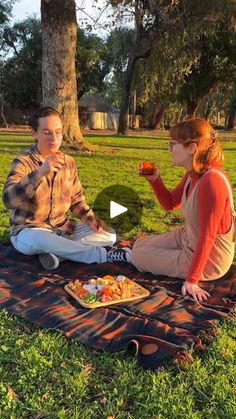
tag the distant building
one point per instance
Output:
(97, 113)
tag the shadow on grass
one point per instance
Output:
(16, 146)
(114, 157)
(133, 147)
(230, 149)
(12, 138)
(127, 137)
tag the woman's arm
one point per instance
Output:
(169, 199)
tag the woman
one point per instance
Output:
(203, 249)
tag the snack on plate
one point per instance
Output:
(147, 168)
(105, 290)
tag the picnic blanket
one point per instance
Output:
(162, 327)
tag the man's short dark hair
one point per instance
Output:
(41, 113)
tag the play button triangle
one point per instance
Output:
(119, 207)
(116, 209)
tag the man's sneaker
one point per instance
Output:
(119, 254)
(49, 261)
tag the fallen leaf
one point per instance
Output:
(12, 395)
(87, 368)
(38, 416)
(45, 395)
(141, 235)
(63, 365)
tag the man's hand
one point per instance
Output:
(152, 177)
(96, 225)
(195, 291)
(52, 163)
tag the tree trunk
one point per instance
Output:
(139, 51)
(5, 124)
(153, 115)
(156, 116)
(180, 116)
(124, 106)
(207, 110)
(231, 120)
(59, 89)
(191, 108)
(134, 106)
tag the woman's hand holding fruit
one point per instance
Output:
(148, 170)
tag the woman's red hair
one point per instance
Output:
(199, 131)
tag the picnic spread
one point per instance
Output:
(162, 326)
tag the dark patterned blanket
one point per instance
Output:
(162, 327)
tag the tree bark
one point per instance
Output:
(59, 89)
(231, 120)
(140, 50)
(191, 108)
(156, 116)
(180, 116)
(5, 124)
(124, 106)
(207, 110)
(134, 107)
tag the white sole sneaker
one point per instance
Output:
(49, 261)
(119, 254)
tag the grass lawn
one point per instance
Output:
(45, 375)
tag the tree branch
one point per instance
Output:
(94, 20)
(7, 36)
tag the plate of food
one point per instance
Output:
(103, 291)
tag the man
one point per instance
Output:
(41, 188)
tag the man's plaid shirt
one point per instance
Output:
(43, 202)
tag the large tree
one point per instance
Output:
(159, 77)
(92, 63)
(21, 71)
(216, 64)
(5, 14)
(118, 43)
(231, 123)
(153, 19)
(59, 36)
(141, 48)
(5, 10)
(22, 68)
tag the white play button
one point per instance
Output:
(116, 209)
(119, 207)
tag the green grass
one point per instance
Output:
(45, 375)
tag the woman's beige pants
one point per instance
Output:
(163, 254)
